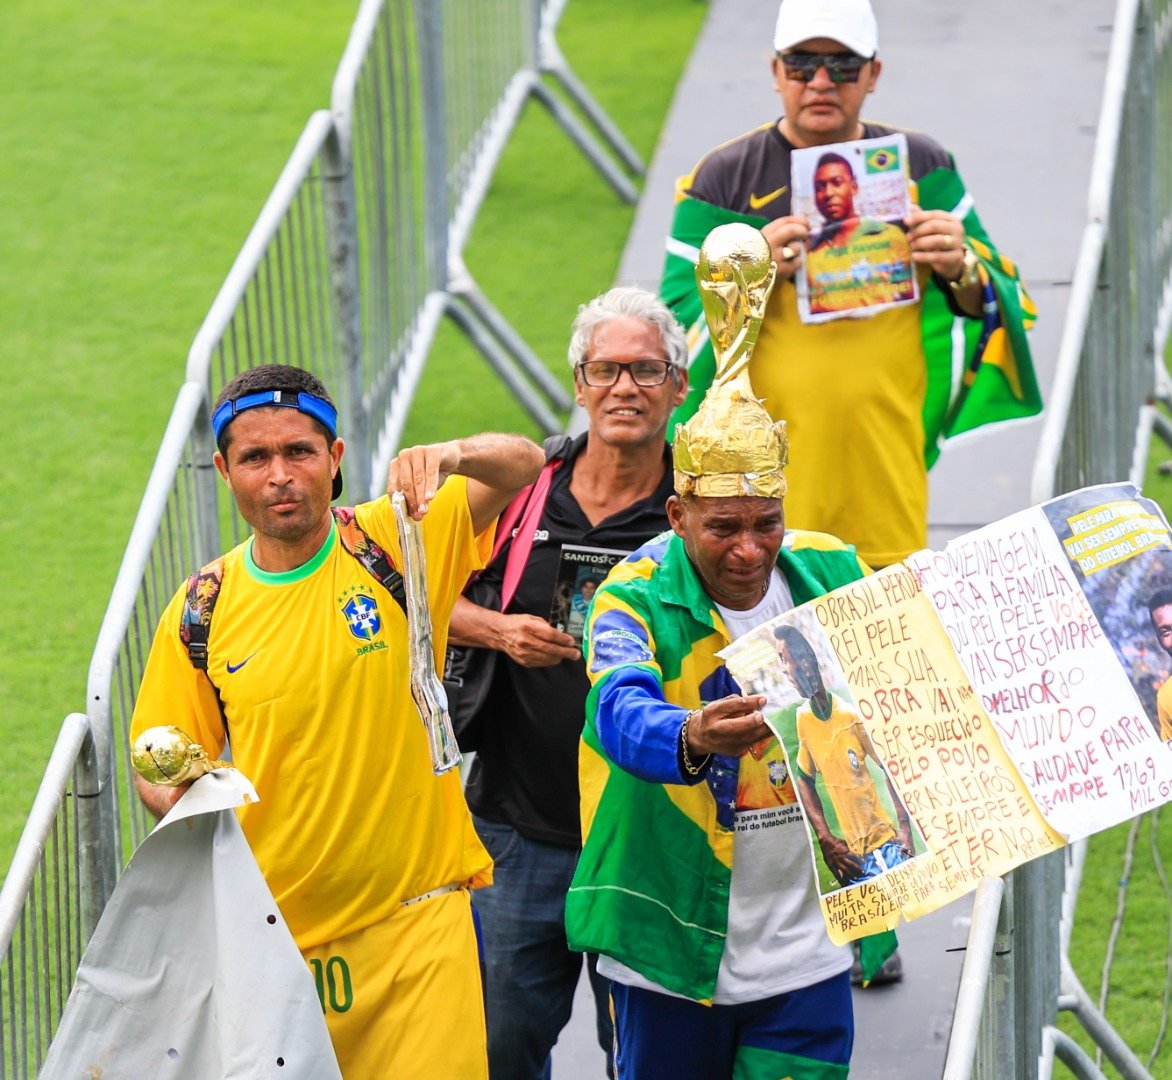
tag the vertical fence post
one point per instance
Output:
(1037, 902)
(1161, 20)
(429, 17)
(342, 238)
(1144, 180)
(996, 1056)
(97, 840)
(205, 494)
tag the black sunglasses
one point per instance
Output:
(841, 67)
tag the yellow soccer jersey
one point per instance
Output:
(860, 384)
(867, 264)
(763, 778)
(1164, 709)
(833, 748)
(312, 670)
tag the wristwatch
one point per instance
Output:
(970, 273)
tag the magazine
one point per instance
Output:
(580, 571)
(973, 708)
(857, 260)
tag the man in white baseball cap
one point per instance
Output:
(849, 22)
(892, 379)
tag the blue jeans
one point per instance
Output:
(530, 972)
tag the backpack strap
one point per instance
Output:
(523, 515)
(557, 447)
(523, 541)
(203, 590)
(369, 554)
(203, 587)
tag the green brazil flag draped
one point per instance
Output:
(996, 381)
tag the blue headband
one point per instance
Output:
(310, 404)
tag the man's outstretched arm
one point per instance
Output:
(497, 467)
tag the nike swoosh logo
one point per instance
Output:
(758, 201)
(233, 668)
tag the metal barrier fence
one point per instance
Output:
(1111, 355)
(351, 265)
(1100, 414)
(464, 71)
(48, 906)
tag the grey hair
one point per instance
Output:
(627, 302)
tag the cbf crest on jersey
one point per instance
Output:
(362, 616)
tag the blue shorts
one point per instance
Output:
(876, 862)
(806, 1034)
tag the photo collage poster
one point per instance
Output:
(857, 260)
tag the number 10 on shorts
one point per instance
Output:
(332, 979)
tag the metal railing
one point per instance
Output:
(49, 906)
(465, 71)
(1111, 355)
(1100, 414)
(350, 267)
(1017, 976)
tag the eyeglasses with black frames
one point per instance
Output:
(841, 67)
(608, 372)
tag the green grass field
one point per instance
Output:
(1135, 893)
(141, 140)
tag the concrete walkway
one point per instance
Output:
(1012, 88)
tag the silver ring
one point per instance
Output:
(788, 254)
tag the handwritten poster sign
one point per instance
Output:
(953, 717)
(1017, 614)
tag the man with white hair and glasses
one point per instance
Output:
(609, 495)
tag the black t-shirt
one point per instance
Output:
(751, 174)
(525, 773)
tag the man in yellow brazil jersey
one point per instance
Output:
(367, 852)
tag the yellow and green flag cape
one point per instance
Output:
(979, 370)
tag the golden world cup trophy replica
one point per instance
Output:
(168, 756)
(731, 446)
(426, 687)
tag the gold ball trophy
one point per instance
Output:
(168, 756)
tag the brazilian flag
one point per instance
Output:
(883, 159)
